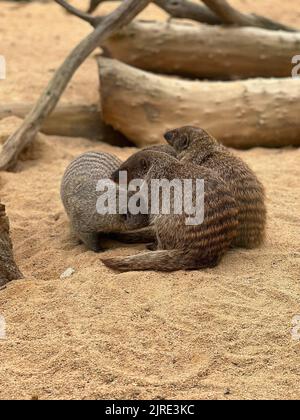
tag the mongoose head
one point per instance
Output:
(188, 137)
(136, 167)
(139, 164)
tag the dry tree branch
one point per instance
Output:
(180, 9)
(230, 16)
(94, 21)
(185, 9)
(215, 12)
(16, 143)
(94, 4)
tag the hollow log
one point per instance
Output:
(70, 121)
(203, 51)
(242, 114)
(8, 268)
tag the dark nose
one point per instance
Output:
(168, 136)
(115, 177)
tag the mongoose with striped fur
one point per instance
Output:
(181, 246)
(196, 146)
(79, 196)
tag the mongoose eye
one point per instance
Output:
(168, 136)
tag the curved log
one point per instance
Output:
(204, 51)
(242, 114)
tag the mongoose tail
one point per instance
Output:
(172, 260)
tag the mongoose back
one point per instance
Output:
(195, 145)
(181, 246)
(79, 196)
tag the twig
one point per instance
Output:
(230, 16)
(185, 9)
(94, 21)
(94, 4)
(50, 97)
(216, 13)
(180, 9)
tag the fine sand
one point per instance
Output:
(214, 334)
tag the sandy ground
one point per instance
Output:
(221, 333)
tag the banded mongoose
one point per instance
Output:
(181, 246)
(195, 145)
(145, 234)
(79, 196)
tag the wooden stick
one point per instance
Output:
(185, 9)
(180, 9)
(231, 16)
(217, 12)
(50, 97)
(8, 268)
(94, 21)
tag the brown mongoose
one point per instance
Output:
(195, 145)
(146, 234)
(181, 246)
(79, 196)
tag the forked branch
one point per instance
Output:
(180, 9)
(215, 12)
(110, 24)
(94, 21)
(231, 16)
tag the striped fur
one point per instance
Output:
(79, 196)
(181, 246)
(198, 147)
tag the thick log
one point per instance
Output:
(71, 121)
(8, 268)
(204, 51)
(242, 114)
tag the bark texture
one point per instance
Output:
(242, 114)
(204, 51)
